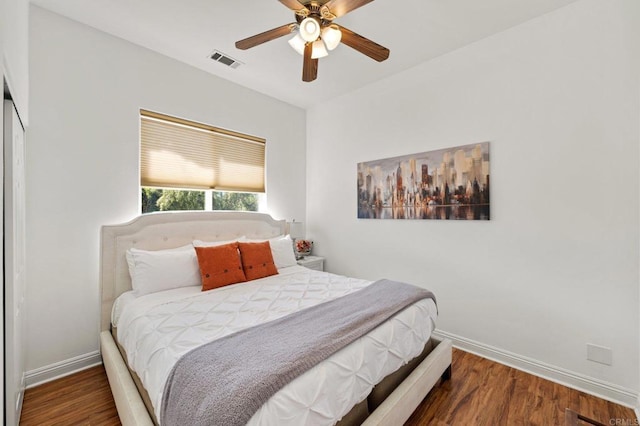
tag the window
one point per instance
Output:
(158, 199)
(186, 165)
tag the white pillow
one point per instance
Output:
(160, 270)
(200, 243)
(282, 251)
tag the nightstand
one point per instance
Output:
(312, 262)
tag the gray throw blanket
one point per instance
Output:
(226, 381)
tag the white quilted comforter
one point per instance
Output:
(157, 329)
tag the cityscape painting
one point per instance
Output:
(450, 184)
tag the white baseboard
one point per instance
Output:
(63, 368)
(610, 392)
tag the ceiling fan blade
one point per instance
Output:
(364, 45)
(265, 36)
(296, 6)
(309, 66)
(341, 7)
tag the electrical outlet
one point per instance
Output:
(599, 354)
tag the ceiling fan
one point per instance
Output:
(316, 33)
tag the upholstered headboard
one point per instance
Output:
(157, 231)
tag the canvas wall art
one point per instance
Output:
(449, 184)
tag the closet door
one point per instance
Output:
(14, 264)
(2, 416)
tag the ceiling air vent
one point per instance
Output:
(225, 59)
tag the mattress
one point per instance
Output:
(157, 329)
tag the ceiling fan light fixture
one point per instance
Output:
(331, 35)
(297, 43)
(310, 29)
(315, 34)
(319, 50)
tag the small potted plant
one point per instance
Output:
(303, 248)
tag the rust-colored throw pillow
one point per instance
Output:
(220, 266)
(257, 260)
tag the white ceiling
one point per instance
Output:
(189, 30)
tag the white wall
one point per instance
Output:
(557, 265)
(82, 162)
(14, 33)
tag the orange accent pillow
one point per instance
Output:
(220, 266)
(257, 260)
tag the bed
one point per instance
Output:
(390, 401)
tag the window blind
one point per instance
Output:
(177, 153)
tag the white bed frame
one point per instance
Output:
(157, 231)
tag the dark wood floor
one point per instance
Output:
(480, 392)
(483, 392)
(80, 399)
